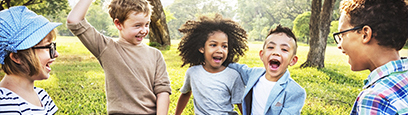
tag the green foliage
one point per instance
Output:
(333, 29)
(301, 27)
(100, 19)
(42, 7)
(183, 10)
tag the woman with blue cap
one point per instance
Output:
(26, 53)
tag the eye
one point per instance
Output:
(213, 45)
(286, 50)
(270, 47)
(224, 46)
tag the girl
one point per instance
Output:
(26, 53)
(208, 46)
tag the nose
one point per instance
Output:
(56, 54)
(275, 54)
(339, 45)
(145, 30)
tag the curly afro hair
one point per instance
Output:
(196, 33)
(388, 19)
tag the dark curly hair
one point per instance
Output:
(196, 33)
(388, 19)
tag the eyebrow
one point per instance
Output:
(273, 43)
(217, 42)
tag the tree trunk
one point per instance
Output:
(159, 32)
(319, 29)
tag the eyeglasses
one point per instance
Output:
(337, 37)
(52, 48)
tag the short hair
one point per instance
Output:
(120, 9)
(388, 19)
(30, 63)
(196, 33)
(285, 30)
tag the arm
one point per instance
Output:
(182, 102)
(242, 69)
(163, 101)
(294, 103)
(78, 13)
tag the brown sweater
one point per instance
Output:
(134, 74)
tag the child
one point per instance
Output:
(26, 53)
(208, 46)
(271, 90)
(371, 34)
(136, 78)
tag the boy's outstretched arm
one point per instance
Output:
(163, 101)
(182, 102)
(78, 13)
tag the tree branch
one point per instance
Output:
(31, 2)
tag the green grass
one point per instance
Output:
(77, 82)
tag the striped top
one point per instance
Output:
(13, 104)
(385, 91)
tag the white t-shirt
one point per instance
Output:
(12, 104)
(214, 93)
(260, 95)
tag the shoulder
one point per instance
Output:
(294, 88)
(194, 68)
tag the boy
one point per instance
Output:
(136, 78)
(271, 90)
(371, 34)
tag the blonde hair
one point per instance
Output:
(120, 9)
(30, 64)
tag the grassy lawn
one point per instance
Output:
(77, 83)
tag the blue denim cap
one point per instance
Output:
(20, 29)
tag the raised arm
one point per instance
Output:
(78, 13)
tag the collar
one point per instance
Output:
(385, 70)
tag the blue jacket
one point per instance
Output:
(286, 97)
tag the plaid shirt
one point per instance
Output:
(385, 91)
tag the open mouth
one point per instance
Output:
(217, 59)
(274, 64)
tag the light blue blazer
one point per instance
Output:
(286, 97)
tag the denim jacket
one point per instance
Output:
(286, 97)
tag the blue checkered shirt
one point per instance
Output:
(385, 91)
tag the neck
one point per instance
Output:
(17, 83)
(381, 56)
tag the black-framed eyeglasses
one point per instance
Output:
(52, 48)
(337, 37)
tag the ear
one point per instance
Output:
(15, 58)
(293, 61)
(367, 32)
(260, 54)
(201, 50)
(117, 24)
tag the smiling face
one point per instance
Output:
(45, 60)
(134, 28)
(277, 54)
(350, 41)
(215, 51)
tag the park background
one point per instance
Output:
(77, 82)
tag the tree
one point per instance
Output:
(184, 10)
(43, 7)
(301, 27)
(159, 33)
(319, 29)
